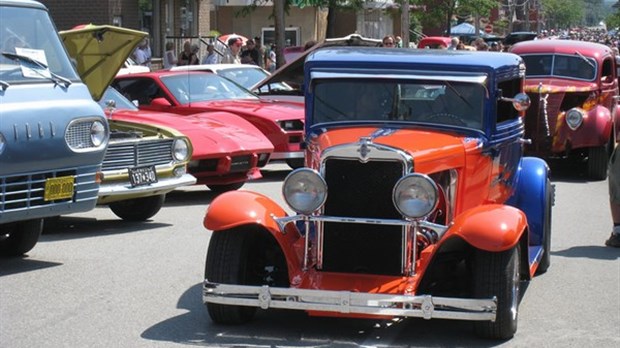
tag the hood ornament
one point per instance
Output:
(364, 149)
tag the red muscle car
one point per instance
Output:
(190, 92)
(573, 86)
(227, 150)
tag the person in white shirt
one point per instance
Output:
(231, 56)
(170, 56)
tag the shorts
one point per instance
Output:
(614, 177)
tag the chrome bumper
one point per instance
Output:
(164, 185)
(423, 306)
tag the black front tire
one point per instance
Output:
(497, 274)
(545, 261)
(295, 163)
(598, 158)
(139, 209)
(247, 255)
(225, 188)
(227, 262)
(21, 237)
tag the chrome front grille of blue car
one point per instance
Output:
(123, 155)
(24, 191)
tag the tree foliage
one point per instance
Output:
(560, 14)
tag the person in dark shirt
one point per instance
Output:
(250, 55)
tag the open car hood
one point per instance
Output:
(292, 73)
(99, 52)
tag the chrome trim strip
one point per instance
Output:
(420, 306)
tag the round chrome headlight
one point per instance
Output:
(180, 150)
(415, 195)
(2, 143)
(574, 118)
(97, 133)
(304, 190)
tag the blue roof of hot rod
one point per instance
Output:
(429, 58)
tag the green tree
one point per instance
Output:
(440, 13)
(560, 14)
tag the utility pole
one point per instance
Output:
(404, 25)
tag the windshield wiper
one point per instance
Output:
(57, 79)
(4, 85)
(585, 59)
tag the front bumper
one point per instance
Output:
(422, 306)
(109, 192)
(287, 155)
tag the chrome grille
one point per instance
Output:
(25, 191)
(130, 154)
(358, 189)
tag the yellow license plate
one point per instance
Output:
(58, 188)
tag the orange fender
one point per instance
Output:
(492, 227)
(236, 208)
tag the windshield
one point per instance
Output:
(434, 102)
(120, 101)
(38, 40)
(246, 77)
(204, 87)
(570, 66)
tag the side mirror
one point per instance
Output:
(160, 102)
(520, 102)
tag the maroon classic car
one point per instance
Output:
(573, 86)
(227, 150)
(190, 92)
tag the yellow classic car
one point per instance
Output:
(142, 162)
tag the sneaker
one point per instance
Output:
(614, 240)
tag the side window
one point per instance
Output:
(607, 73)
(142, 90)
(505, 110)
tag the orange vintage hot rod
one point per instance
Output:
(573, 86)
(415, 200)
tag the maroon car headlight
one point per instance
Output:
(574, 118)
(415, 195)
(304, 190)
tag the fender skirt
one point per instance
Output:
(493, 227)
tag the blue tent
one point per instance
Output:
(464, 29)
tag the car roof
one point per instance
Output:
(214, 67)
(557, 46)
(431, 59)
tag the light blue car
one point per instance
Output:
(53, 135)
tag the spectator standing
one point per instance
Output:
(270, 59)
(250, 54)
(185, 57)
(261, 52)
(148, 54)
(211, 57)
(398, 41)
(170, 57)
(614, 198)
(388, 41)
(194, 59)
(231, 56)
(454, 43)
(139, 55)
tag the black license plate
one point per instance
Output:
(142, 176)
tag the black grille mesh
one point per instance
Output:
(359, 189)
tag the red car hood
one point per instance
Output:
(267, 109)
(429, 149)
(209, 134)
(556, 85)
